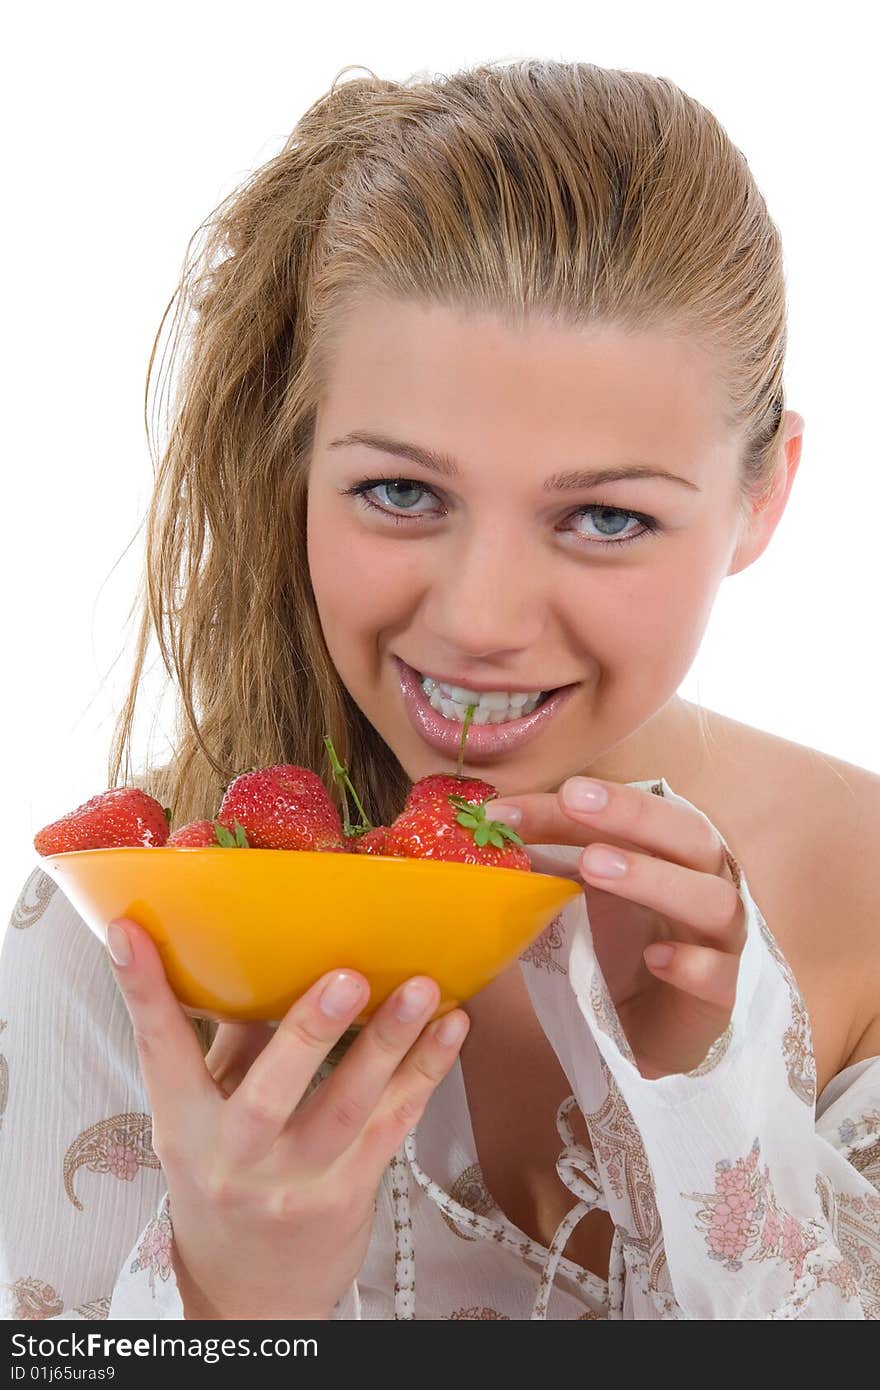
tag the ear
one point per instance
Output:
(765, 512)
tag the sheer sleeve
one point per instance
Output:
(733, 1199)
(84, 1225)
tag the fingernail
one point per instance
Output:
(580, 794)
(604, 863)
(339, 997)
(659, 955)
(451, 1029)
(118, 944)
(412, 1001)
(511, 815)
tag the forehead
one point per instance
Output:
(453, 377)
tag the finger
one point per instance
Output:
(704, 903)
(261, 1106)
(700, 971)
(631, 814)
(235, 1048)
(171, 1061)
(412, 1086)
(337, 1112)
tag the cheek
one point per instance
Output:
(652, 615)
(360, 582)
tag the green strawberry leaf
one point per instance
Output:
(169, 814)
(508, 832)
(494, 832)
(227, 840)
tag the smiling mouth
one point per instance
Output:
(452, 702)
(491, 733)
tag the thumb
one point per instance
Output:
(170, 1057)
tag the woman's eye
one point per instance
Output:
(611, 523)
(402, 495)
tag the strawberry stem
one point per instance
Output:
(343, 781)
(469, 714)
(491, 832)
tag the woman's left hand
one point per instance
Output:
(665, 913)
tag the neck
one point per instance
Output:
(678, 743)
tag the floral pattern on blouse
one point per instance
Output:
(94, 1311)
(541, 952)
(797, 1040)
(743, 1220)
(33, 900)
(478, 1314)
(471, 1192)
(119, 1145)
(620, 1152)
(31, 1300)
(154, 1249)
(861, 1140)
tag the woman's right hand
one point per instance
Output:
(272, 1210)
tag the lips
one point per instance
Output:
(483, 740)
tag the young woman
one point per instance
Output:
(482, 392)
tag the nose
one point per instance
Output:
(486, 598)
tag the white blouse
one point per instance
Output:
(734, 1193)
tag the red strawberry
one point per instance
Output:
(374, 842)
(283, 807)
(450, 784)
(449, 827)
(204, 834)
(120, 816)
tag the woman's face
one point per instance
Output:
(494, 576)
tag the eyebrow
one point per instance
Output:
(438, 462)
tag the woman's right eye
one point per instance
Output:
(403, 487)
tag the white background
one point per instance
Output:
(125, 125)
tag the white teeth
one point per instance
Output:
(457, 693)
(492, 706)
(484, 713)
(496, 699)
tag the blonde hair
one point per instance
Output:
(561, 189)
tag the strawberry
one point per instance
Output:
(449, 827)
(110, 820)
(283, 807)
(450, 784)
(204, 834)
(373, 842)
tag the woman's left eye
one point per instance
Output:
(609, 517)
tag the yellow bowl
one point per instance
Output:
(243, 933)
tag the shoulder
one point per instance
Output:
(822, 814)
(856, 876)
(47, 948)
(831, 804)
